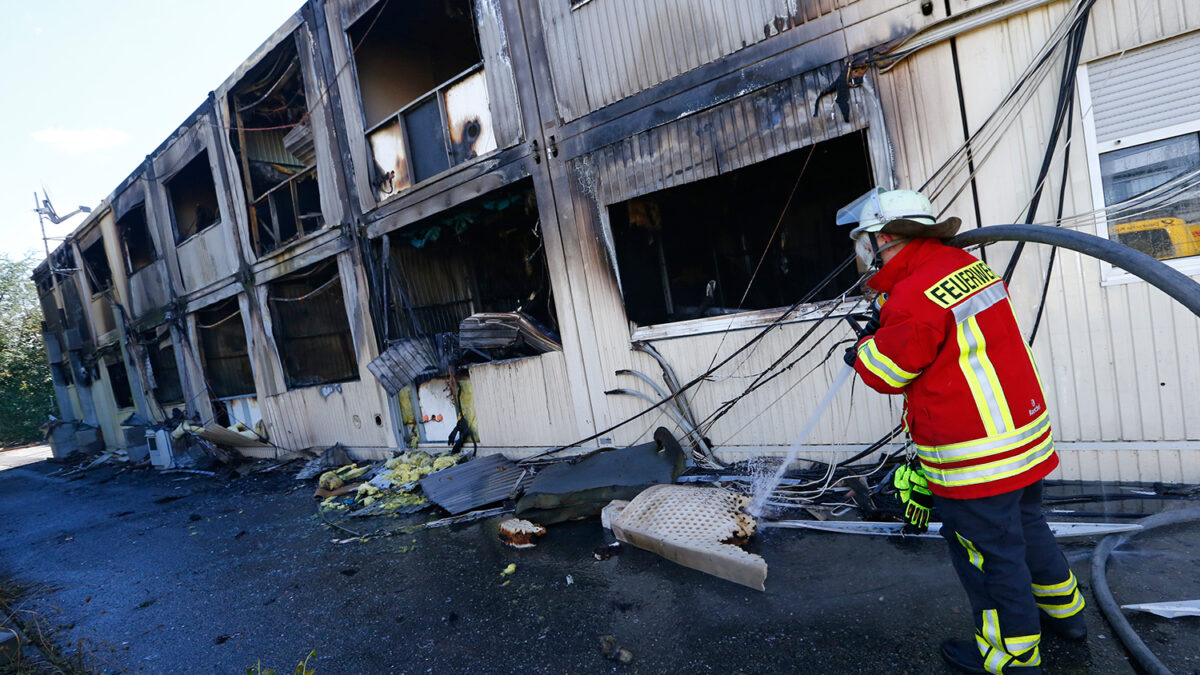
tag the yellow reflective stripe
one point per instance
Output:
(993, 378)
(1035, 659)
(985, 446)
(981, 378)
(1021, 643)
(883, 367)
(982, 473)
(1062, 588)
(1063, 611)
(973, 555)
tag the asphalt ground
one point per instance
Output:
(145, 572)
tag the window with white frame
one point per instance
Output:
(1142, 121)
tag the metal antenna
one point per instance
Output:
(45, 210)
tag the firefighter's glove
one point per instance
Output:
(851, 356)
(913, 491)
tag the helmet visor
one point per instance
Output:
(865, 208)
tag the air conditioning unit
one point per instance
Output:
(160, 448)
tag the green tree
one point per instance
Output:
(26, 392)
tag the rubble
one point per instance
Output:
(520, 533)
(582, 488)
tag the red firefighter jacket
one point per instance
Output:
(948, 340)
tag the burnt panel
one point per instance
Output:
(193, 197)
(223, 350)
(311, 329)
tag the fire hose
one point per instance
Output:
(1162, 276)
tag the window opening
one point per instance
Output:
(689, 252)
(118, 379)
(310, 326)
(193, 197)
(95, 260)
(423, 91)
(223, 350)
(273, 143)
(136, 243)
(1166, 228)
(483, 257)
(164, 372)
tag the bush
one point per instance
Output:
(26, 392)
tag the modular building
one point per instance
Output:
(413, 223)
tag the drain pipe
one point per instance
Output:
(1104, 598)
(1162, 276)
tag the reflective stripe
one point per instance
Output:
(938, 454)
(1063, 588)
(981, 378)
(1063, 611)
(996, 658)
(883, 367)
(1035, 659)
(981, 301)
(992, 470)
(1021, 643)
(973, 554)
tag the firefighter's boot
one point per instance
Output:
(964, 655)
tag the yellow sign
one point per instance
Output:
(961, 285)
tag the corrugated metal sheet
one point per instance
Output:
(1126, 101)
(473, 484)
(208, 257)
(601, 52)
(744, 131)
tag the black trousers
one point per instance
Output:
(1013, 572)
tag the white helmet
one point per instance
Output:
(906, 213)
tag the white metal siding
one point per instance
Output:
(1146, 89)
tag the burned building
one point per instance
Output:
(400, 224)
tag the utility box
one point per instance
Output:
(158, 442)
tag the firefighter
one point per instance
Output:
(947, 339)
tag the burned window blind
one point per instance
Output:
(224, 351)
(311, 329)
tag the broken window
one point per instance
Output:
(273, 143)
(136, 243)
(95, 261)
(692, 251)
(312, 333)
(483, 256)
(193, 197)
(223, 349)
(423, 91)
(118, 379)
(164, 372)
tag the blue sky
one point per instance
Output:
(90, 88)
